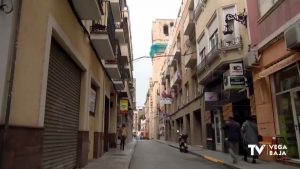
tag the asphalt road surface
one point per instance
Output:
(154, 155)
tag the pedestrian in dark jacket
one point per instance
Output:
(234, 131)
(250, 136)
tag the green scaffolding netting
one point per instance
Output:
(157, 48)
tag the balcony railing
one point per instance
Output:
(176, 78)
(201, 66)
(234, 44)
(213, 54)
(209, 58)
(120, 63)
(106, 26)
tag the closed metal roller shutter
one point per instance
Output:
(62, 111)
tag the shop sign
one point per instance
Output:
(236, 69)
(233, 82)
(237, 80)
(211, 96)
(124, 106)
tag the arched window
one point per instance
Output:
(166, 30)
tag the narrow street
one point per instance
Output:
(154, 155)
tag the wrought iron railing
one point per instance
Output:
(235, 43)
(106, 26)
(213, 54)
(120, 61)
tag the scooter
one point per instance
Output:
(183, 143)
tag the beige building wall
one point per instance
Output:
(187, 110)
(32, 60)
(159, 35)
(161, 31)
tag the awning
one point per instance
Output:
(278, 66)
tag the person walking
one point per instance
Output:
(234, 131)
(123, 136)
(250, 136)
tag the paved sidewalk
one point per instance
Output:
(225, 159)
(114, 159)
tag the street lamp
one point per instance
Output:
(241, 17)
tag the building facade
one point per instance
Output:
(201, 57)
(161, 31)
(224, 92)
(274, 61)
(72, 67)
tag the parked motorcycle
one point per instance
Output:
(183, 143)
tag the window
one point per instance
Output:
(265, 5)
(166, 30)
(93, 100)
(201, 48)
(202, 55)
(187, 92)
(195, 91)
(287, 78)
(232, 24)
(213, 33)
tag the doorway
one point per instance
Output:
(218, 130)
(106, 124)
(288, 109)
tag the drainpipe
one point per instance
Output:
(16, 22)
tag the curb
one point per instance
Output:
(208, 158)
(131, 155)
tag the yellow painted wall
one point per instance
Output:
(31, 50)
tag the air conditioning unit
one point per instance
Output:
(251, 59)
(292, 37)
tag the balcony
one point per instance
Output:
(112, 69)
(120, 32)
(88, 9)
(166, 72)
(199, 8)
(201, 66)
(175, 80)
(119, 84)
(115, 67)
(116, 9)
(102, 35)
(191, 60)
(213, 54)
(176, 54)
(189, 25)
(236, 43)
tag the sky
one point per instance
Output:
(142, 13)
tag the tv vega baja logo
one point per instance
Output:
(272, 150)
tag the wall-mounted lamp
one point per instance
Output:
(241, 17)
(6, 8)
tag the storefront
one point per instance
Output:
(277, 97)
(286, 94)
(224, 97)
